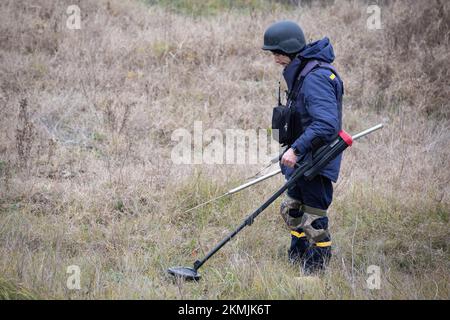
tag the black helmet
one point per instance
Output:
(284, 36)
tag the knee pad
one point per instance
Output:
(290, 212)
(312, 221)
(315, 224)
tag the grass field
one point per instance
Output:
(86, 176)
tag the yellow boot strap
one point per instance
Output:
(297, 234)
(323, 244)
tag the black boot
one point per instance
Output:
(316, 258)
(299, 246)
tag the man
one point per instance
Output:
(315, 96)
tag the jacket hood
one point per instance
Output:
(319, 50)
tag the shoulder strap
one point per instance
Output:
(310, 66)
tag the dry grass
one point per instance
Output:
(85, 170)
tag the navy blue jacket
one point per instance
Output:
(318, 103)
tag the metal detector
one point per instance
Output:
(308, 168)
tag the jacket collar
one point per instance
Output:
(292, 70)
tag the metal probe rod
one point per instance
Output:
(250, 183)
(237, 189)
(366, 132)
